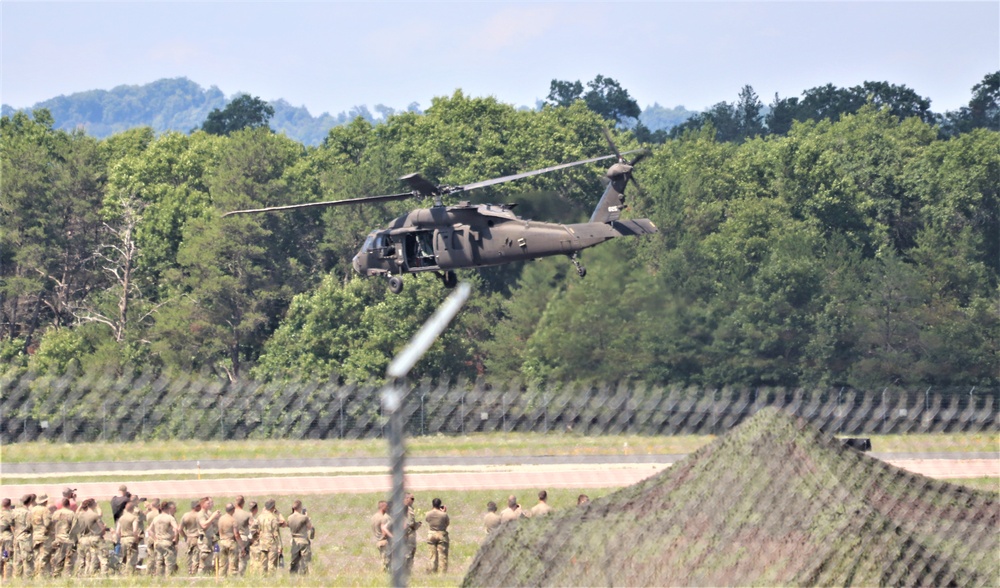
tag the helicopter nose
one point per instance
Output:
(356, 264)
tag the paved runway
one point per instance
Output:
(374, 477)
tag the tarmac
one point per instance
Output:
(371, 475)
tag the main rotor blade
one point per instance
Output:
(362, 200)
(607, 135)
(643, 154)
(528, 174)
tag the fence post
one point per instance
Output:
(341, 417)
(423, 415)
(503, 411)
(463, 412)
(545, 400)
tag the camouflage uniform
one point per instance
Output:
(128, 536)
(64, 542)
(6, 544)
(89, 529)
(491, 522)
(381, 539)
(191, 530)
(411, 538)
(300, 528)
(24, 562)
(207, 540)
(164, 532)
(43, 532)
(437, 538)
(243, 518)
(229, 547)
(270, 541)
(253, 553)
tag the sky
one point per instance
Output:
(330, 56)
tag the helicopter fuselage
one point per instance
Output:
(445, 238)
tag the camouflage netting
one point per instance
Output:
(774, 502)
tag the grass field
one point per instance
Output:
(487, 444)
(344, 552)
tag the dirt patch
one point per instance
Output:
(774, 502)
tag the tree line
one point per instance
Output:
(852, 250)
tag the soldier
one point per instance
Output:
(230, 543)
(582, 499)
(118, 502)
(270, 537)
(513, 510)
(302, 533)
(165, 532)
(437, 536)
(208, 521)
(243, 519)
(127, 529)
(191, 531)
(64, 541)
(380, 528)
(6, 540)
(542, 508)
(152, 511)
(90, 528)
(104, 551)
(43, 532)
(411, 531)
(24, 562)
(492, 520)
(252, 552)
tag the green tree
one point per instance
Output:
(51, 195)
(604, 95)
(243, 112)
(237, 275)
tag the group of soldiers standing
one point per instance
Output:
(437, 520)
(42, 537)
(437, 535)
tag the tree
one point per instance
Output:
(604, 96)
(983, 111)
(243, 112)
(564, 93)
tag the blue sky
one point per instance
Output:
(330, 56)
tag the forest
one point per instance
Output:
(850, 238)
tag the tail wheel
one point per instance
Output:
(395, 284)
(450, 279)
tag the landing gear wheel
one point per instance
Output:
(450, 279)
(581, 271)
(395, 284)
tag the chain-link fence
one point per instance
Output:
(686, 485)
(69, 409)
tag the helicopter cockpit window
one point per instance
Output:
(369, 243)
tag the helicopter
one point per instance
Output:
(442, 238)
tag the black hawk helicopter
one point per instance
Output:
(443, 238)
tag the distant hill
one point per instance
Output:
(178, 104)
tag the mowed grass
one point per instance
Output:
(344, 552)
(485, 444)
